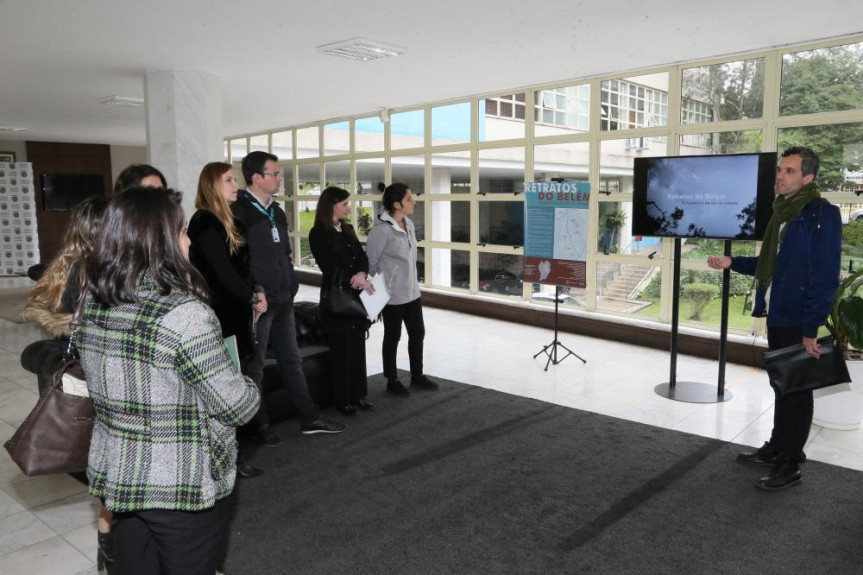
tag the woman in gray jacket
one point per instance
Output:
(392, 251)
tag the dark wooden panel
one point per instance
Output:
(656, 338)
(62, 158)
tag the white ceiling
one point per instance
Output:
(60, 56)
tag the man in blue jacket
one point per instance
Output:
(797, 273)
(264, 226)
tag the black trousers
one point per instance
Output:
(161, 542)
(792, 415)
(278, 327)
(411, 314)
(347, 359)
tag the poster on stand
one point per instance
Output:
(19, 238)
(555, 238)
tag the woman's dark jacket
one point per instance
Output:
(227, 276)
(335, 252)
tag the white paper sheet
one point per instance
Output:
(375, 303)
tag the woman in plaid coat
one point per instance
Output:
(167, 397)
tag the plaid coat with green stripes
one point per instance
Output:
(167, 399)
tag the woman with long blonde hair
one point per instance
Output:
(56, 294)
(219, 252)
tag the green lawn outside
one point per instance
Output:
(710, 315)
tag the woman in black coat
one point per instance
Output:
(220, 254)
(337, 250)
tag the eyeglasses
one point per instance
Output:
(274, 174)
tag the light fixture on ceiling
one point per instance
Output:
(361, 49)
(4, 128)
(127, 101)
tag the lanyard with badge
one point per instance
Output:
(269, 213)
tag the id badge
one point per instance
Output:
(275, 234)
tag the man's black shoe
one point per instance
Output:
(267, 436)
(423, 382)
(322, 425)
(364, 405)
(784, 474)
(764, 455)
(246, 471)
(395, 387)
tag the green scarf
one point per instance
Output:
(785, 209)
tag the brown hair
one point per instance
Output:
(210, 198)
(141, 236)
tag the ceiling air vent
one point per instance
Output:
(122, 101)
(361, 49)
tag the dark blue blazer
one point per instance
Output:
(807, 270)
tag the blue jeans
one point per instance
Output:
(278, 327)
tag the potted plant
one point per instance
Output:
(841, 406)
(614, 221)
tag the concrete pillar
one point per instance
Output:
(184, 127)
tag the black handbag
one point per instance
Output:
(55, 437)
(792, 370)
(341, 300)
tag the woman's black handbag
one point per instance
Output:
(792, 370)
(341, 300)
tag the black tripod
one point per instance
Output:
(551, 349)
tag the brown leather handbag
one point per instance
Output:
(55, 437)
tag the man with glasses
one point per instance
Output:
(263, 224)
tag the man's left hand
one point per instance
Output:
(811, 345)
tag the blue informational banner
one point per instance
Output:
(555, 238)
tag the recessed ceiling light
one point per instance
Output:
(122, 101)
(361, 49)
(12, 128)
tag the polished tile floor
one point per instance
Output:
(47, 524)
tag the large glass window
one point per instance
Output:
(259, 143)
(450, 268)
(501, 118)
(822, 80)
(734, 142)
(450, 221)
(628, 288)
(562, 110)
(501, 223)
(407, 130)
(450, 173)
(500, 274)
(410, 170)
(501, 171)
(638, 102)
(569, 161)
(450, 124)
(283, 145)
(309, 185)
(370, 173)
(337, 138)
(369, 134)
(308, 142)
(720, 92)
(338, 174)
(616, 157)
(239, 149)
(840, 148)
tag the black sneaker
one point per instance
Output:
(266, 436)
(395, 387)
(423, 382)
(786, 473)
(764, 455)
(322, 425)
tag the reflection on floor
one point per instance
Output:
(47, 524)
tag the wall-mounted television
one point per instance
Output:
(62, 192)
(727, 197)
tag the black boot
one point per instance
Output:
(105, 552)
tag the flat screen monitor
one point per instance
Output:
(62, 192)
(727, 197)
